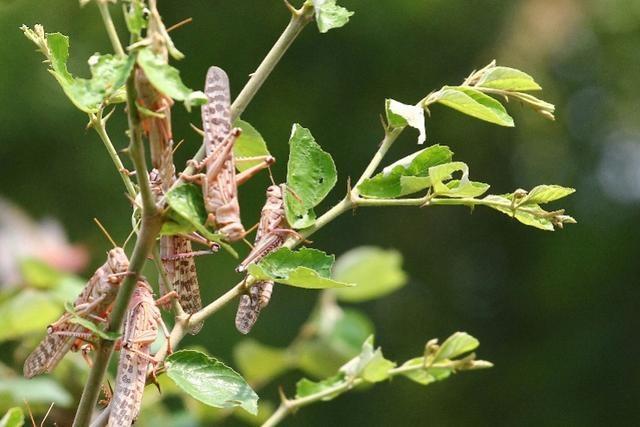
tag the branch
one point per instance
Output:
(149, 229)
(111, 29)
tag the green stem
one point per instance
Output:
(149, 229)
(98, 123)
(111, 29)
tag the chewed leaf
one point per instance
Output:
(375, 271)
(406, 176)
(311, 174)
(210, 381)
(108, 72)
(530, 213)
(306, 268)
(475, 104)
(249, 144)
(509, 79)
(400, 115)
(167, 80)
(329, 15)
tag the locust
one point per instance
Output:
(93, 303)
(219, 181)
(272, 232)
(176, 255)
(141, 325)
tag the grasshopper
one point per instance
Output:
(272, 233)
(177, 255)
(93, 303)
(140, 331)
(219, 182)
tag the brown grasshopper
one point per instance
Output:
(177, 255)
(272, 233)
(93, 303)
(141, 326)
(219, 182)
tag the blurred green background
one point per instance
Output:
(556, 312)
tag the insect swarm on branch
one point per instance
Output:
(93, 303)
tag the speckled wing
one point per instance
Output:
(251, 304)
(51, 350)
(181, 272)
(221, 199)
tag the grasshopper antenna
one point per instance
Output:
(106, 233)
(30, 413)
(271, 175)
(45, 415)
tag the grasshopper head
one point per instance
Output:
(275, 191)
(117, 260)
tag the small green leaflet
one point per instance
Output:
(188, 209)
(13, 418)
(329, 15)
(406, 176)
(369, 365)
(249, 144)
(475, 104)
(210, 381)
(167, 80)
(509, 79)
(306, 387)
(455, 188)
(311, 174)
(375, 271)
(400, 115)
(456, 345)
(545, 194)
(108, 73)
(134, 18)
(425, 376)
(306, 268)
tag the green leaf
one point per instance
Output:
(406, 176)
(369, 365)
(339, 337)
(375, 271)
(475, 104)
(401, 115)
(40, 390)
(26, 312)
(210, 381)
(306, 268)
(134, 18)
(509, 79)
(88, 324)
(329, 15)
(455, 188)
(311, 174)
(187, 206)
(109, 74)
(425, 376)
(534, 216)
(249, 144)
(545, 194)
(260, 363)
(167, 80)
(306, 387)
(13, 418)
(456, 345)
